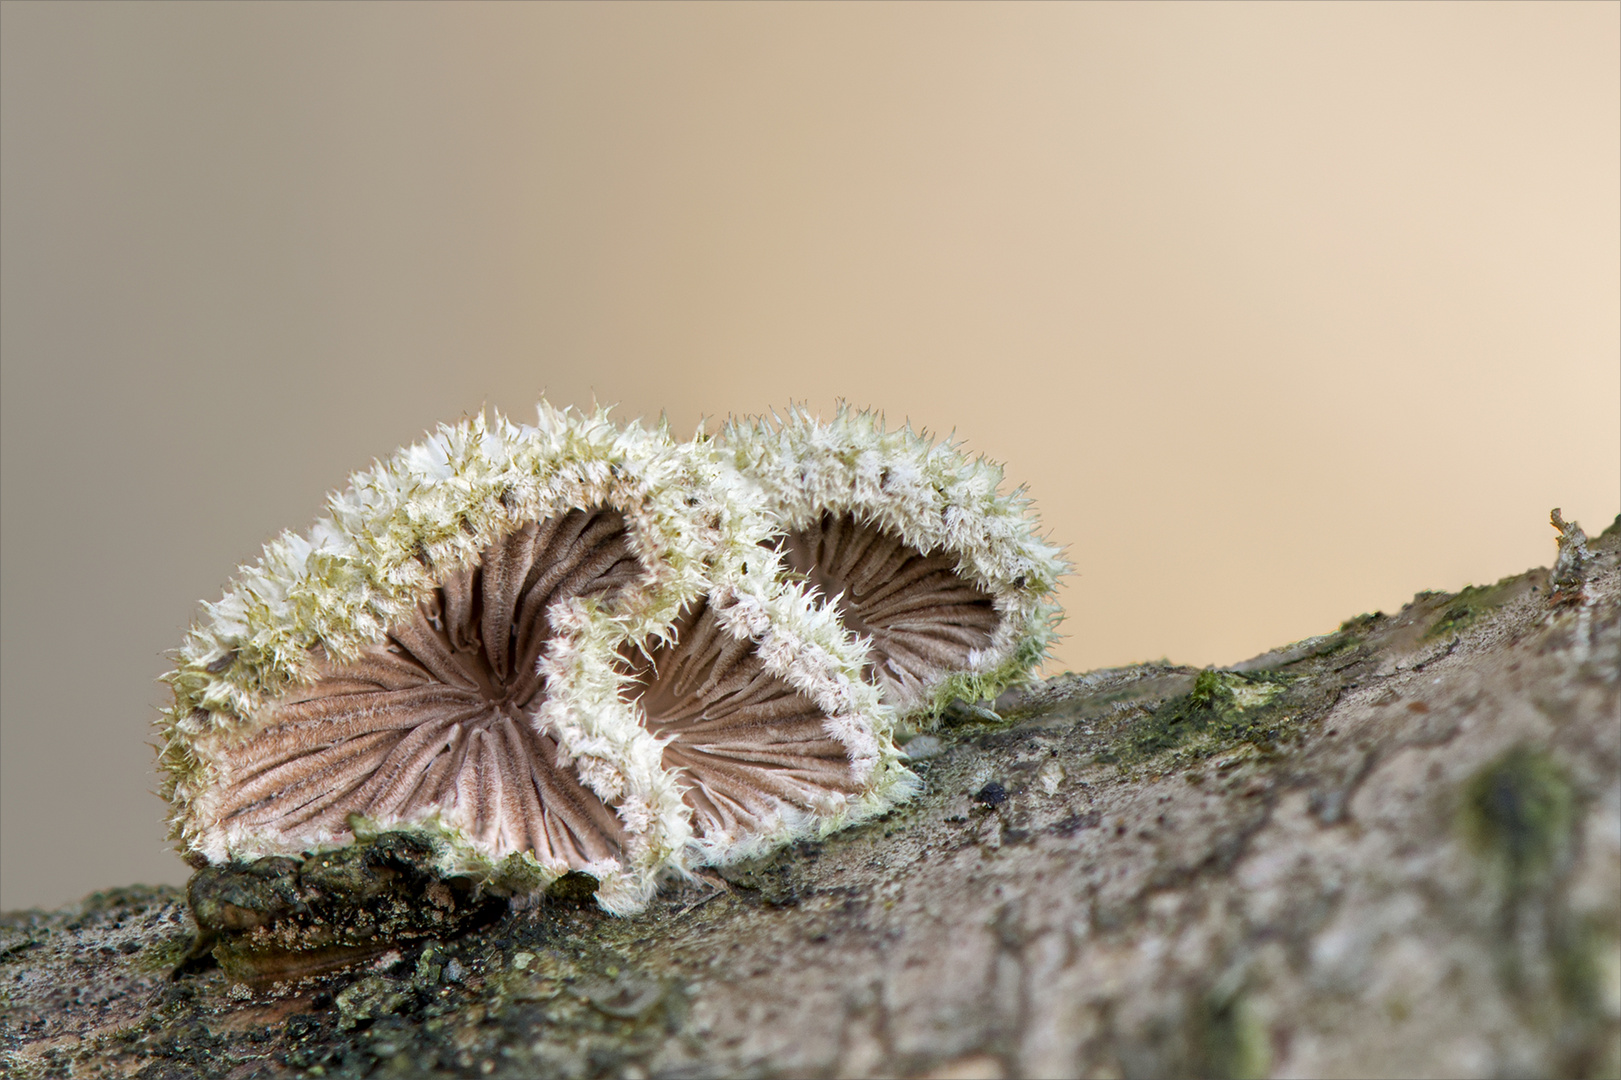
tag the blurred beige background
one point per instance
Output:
(1282, 312)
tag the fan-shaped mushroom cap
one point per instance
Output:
(757, 697)
(912, 542)
(440, 654)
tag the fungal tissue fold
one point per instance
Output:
(576, 646)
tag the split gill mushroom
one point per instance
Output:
(570, 646)
(436, 656)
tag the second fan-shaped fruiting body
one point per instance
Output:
(916, 547)
(757, 697)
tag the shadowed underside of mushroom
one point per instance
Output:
(924, 620)
(752, 752)
(438, 718)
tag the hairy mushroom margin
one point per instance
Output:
(915, 546)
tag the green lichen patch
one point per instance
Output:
(1227, 1039)
(1586, 961)
(541, 996)
(1578, 952)
(574, 887)
(1223, 708)
(283, 918)
(773, 879)
(1464, 609)
(164, 954)
(1359, 624)
(372, 997)
(1518, 813)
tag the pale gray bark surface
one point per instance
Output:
(1394, 850)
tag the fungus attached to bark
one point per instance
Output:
(574, 648)
(914, 545)
(438, 655)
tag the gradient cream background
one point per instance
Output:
(1282, 312)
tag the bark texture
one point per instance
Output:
(1392, 850)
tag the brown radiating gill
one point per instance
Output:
(923, 618)
(751, 751)
(437, 717)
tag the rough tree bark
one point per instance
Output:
(1392, 850)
